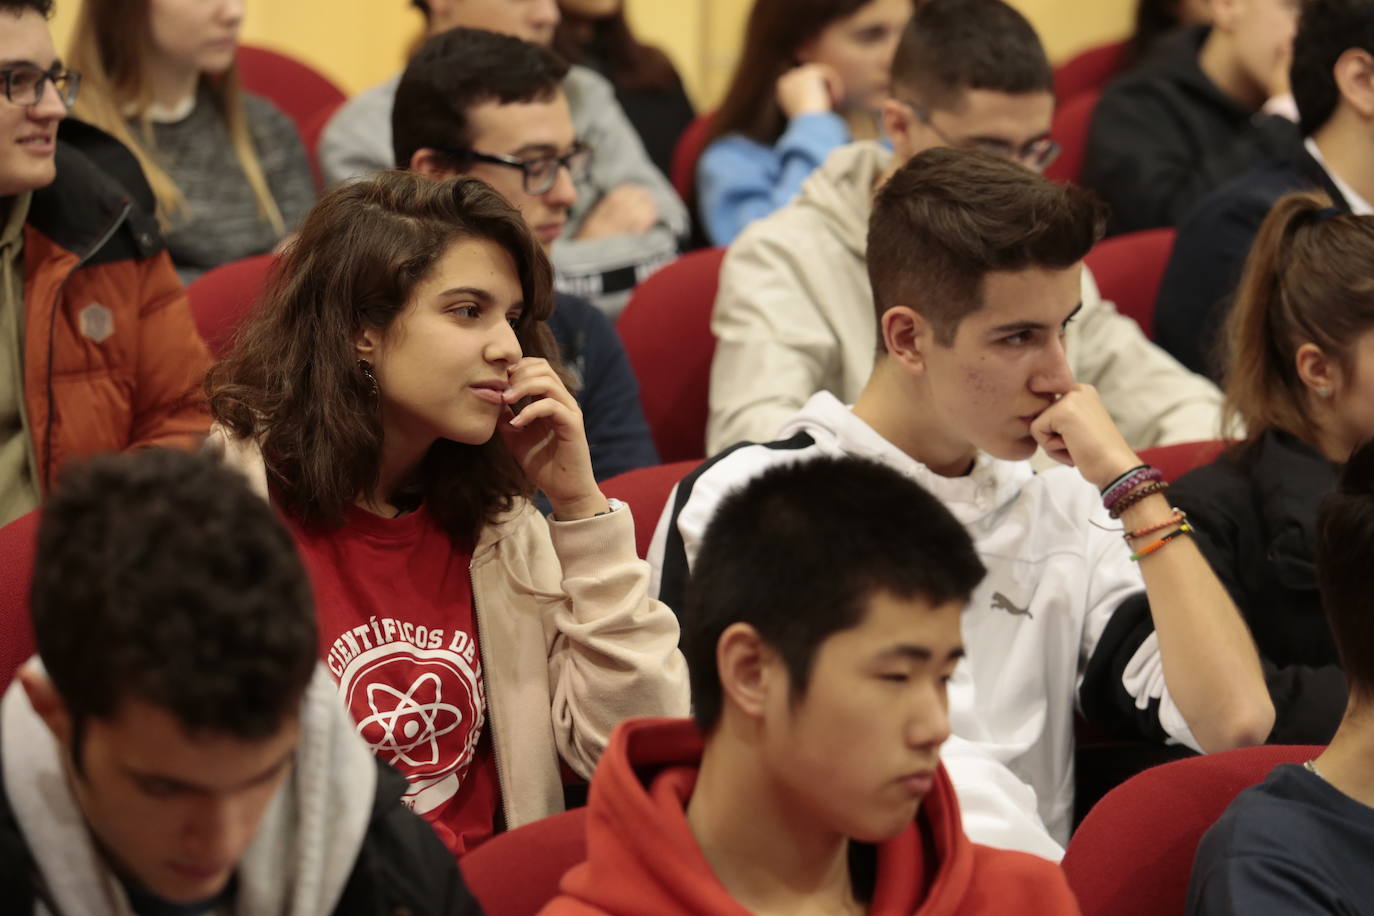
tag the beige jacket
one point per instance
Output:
(571, 642)
(794, 315)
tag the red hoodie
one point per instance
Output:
(643, 859)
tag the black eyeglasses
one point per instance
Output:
(24, 85)
(1037, 154)
(541, 172)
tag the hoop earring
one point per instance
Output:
(366, 369)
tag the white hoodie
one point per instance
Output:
(1054, 582)
(298, 863)
(794, 315)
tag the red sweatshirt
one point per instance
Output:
(643, 859)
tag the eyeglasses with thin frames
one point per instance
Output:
(24, 86)
(540, 173)
(1037, 154)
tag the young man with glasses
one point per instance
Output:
(491, 106)
(627, 220)
(98, 351)
(793, 314)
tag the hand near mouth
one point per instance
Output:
(549, 441)
(1077, 430)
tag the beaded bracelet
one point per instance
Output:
(1136, 495)
(1178, 517)
(1123, 476)
(1125, 485)
(1148, 549)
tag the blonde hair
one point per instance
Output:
(1306, 281)
(110, 41)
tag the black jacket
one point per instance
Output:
(1255, 514)
(1209, 254)
(617, 433)
(1164, 135)
(402, 869)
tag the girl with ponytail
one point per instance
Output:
(1299, 352)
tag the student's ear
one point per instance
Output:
(1319, 372)
(743, 661)
(907, 337)
(427, 163)
(897, 124)
(1354, 73)
(46, 701)
(366, 342)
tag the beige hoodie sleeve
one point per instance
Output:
(1152, 398)
(614, 651)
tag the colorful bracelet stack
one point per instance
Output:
(1129, 489)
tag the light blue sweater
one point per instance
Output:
(740, 180)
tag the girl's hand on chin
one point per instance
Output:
(549, 441)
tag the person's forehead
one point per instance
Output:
(495, 127)
(1014, 117)
(1036, 295)
(889, 621)
(25, 38)
(146, 738)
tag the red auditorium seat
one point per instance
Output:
(296, 88)
(222, 297)
(1128, 269)
(1092, 69)
(666, 329)
(1177, 460)
(1072, 119)
(516, 873)
(645, 491)
(685, 155)
(1133, 853)
(17, 544)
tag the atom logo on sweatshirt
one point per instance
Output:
(420, 709)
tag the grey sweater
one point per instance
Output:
(220, 222)
(357, 140)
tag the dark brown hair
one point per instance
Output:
(776, 30)
(1307, 280)
(292, 380)
(950, 46)
(950, 216)
(631, 65)
(1344, 547)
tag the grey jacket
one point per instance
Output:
(357, 140)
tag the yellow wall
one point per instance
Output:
(361, 42)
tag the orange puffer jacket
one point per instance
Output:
(112, 359)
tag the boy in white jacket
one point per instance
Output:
(793, 312)
(976, 264)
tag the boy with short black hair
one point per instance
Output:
(1300, 841)
(975, 264)
(819, 650)
(175, 746)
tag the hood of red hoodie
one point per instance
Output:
(643, 858)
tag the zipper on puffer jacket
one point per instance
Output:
(82, 258)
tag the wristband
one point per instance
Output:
(1179, 517)
(1136, 495)
(1125, 485)
(1145, 551)
(1123, 476)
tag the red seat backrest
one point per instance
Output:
(1133, 853)
(517, 872)
(666, 329)
(223, 296)
(1128, 269)
(1180, 458)
(17, 545)
(296, 88)
(1072, 119)
(685, 155)
(1091, 69)
(646, 491)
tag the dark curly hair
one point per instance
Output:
(161, 576)
(291, 380)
